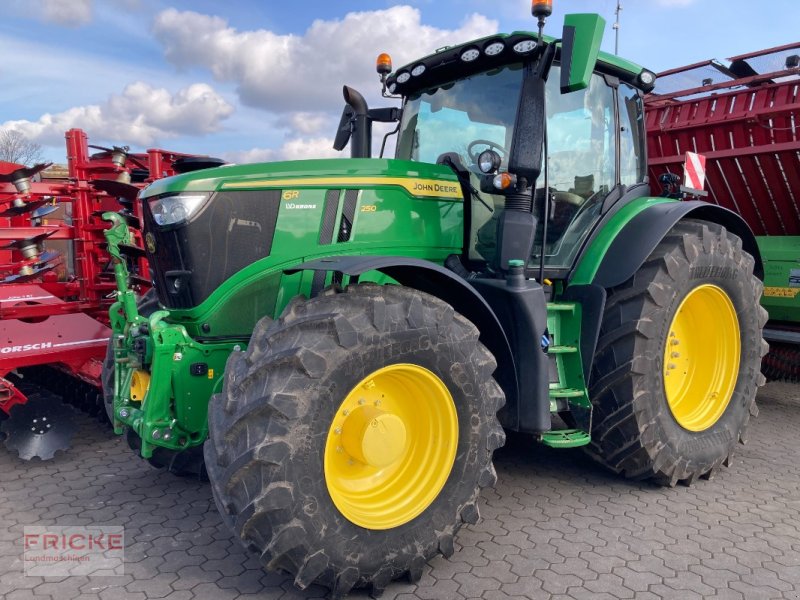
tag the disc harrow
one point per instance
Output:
(57, 283)
(40, 427)
(782, 363)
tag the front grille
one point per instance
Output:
(233, 230)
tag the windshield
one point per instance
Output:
(467, 116)
(462, 117)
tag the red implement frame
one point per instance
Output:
(746, 123)
(59, 317)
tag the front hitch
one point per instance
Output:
(118, 234)
(156, 361)
(123, 315)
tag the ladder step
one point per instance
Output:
(566, 438)
(562, 349)
(561, 306)
(565, 393)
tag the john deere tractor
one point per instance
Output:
(347, 339)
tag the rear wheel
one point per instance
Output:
(351, 439)
(678, 360)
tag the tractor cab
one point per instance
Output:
(474, 118)
(514, 115)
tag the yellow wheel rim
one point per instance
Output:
(391, 446)
(701, 358)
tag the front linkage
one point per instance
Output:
(151, 361)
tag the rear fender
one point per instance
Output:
(644, 231)
(629, 250)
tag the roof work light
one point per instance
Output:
(541, 9)
(383, 65)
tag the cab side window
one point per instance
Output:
(581, 141)
(632, 166)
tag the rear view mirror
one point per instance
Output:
(580, 45)
(345, 128)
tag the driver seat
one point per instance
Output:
(584, 186)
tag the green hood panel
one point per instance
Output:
(423, 179)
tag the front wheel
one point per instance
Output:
(678, 359)
(351, 439)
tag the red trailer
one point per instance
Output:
(743, 115)
(57, 283)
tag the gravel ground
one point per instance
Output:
(556, 526)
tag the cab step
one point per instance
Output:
(561, 306)
(566, 438)
(559, 392)
(562, 349)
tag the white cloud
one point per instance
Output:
(293, 149)
(308, 123)
(140, 115)
(71, 13)
(305, 72)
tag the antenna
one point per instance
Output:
(616, 27)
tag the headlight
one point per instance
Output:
(470, 54)
(169, 210)
(418, 70)
(494, 48)
(647, 77)
(524, 46)
(488, 161)
(403, 77)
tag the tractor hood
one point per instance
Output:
(419, 179)
(204, 227)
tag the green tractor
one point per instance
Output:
(346, 340)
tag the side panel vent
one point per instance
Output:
(329, 211)
(348, 215)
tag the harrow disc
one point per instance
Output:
(75, 392)
(25, 207)
(40, 427)
(43, 211)
(118, 189)
(24, 172)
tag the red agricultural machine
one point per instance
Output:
(57, 283)
(742, 115)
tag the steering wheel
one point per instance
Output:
(473, 154)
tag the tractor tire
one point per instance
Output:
(186, 463)
(691, 312)
(286, 473)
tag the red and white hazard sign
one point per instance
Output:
(694, 171)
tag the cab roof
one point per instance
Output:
(446, 64)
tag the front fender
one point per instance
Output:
(435, 280)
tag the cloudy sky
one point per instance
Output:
(253, 80)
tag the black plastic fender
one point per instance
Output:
(644, 232)
(438, 281)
